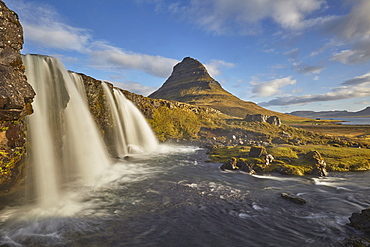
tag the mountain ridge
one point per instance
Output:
(190, 82)
(332, 114)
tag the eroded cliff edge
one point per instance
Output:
(16, 96)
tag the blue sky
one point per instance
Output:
(284, 55)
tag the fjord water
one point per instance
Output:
(170, 197)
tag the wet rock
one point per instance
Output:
(245, 167)
(293, 198)
(361, 220)
(355, 241)
(229, 165)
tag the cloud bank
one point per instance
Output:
(104, 56)
(354, 30)
(219, 15)
(352, 88)
(42, 27)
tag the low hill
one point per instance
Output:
(191, 83)
(332, 114)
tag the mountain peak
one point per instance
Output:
(190, 83)
(188, 79)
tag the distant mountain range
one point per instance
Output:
(332, 114)
(190, 83)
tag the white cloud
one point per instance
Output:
(354, 56)
(104, 56)
(42, 27)
(307, 69)
(354, 88)
(358, 80)
(354, 30)
(293, 54)
(219, 15)
(135, 87)
(214, 66)
(268, 88)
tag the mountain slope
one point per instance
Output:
(191, 83)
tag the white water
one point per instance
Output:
(132, 133)
(64, 141)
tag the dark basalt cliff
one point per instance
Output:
(16, 96)
(191, 83)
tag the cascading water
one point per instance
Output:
(132, 133)
(64, 141)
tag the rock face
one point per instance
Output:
(191, 83)
(16, 96)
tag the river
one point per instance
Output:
(176, 198)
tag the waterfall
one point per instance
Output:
(65, 143)
(132, 133)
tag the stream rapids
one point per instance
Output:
(176, 198)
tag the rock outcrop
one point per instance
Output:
(16, 96)
(319, 166)
(274, 120)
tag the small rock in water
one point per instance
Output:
(293, 198)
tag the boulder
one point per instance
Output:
(245, 167)
(274, 120)
(256, 118)
(361, 220)
(229, 165)
(257, 151)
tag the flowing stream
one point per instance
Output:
(175, 198)
(169, 195)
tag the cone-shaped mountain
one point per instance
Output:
(191, 83)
